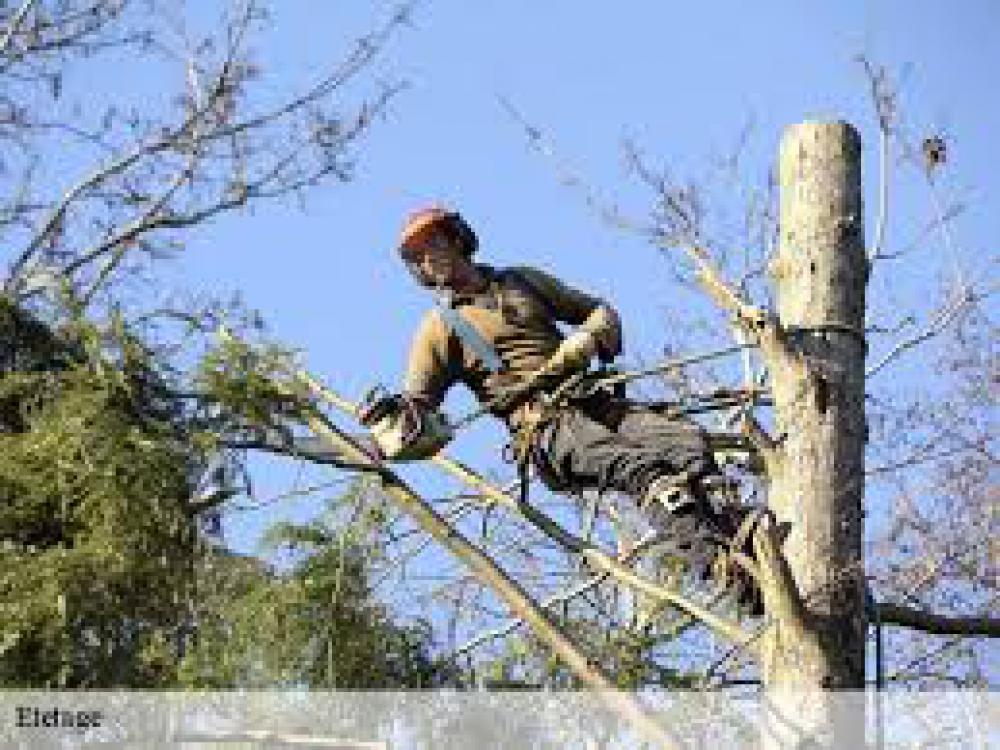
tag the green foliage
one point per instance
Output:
(316, 625)
(252, 382)
(96, 543)
(105, 578)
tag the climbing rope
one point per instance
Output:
(583, 384)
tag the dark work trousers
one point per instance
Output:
(612, 443)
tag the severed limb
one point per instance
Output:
(487, 571)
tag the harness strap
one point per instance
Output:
(739, 540)
(469, 336)
(467, 333)
(747, 526)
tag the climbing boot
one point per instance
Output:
(717, 543)
(668, 495)
(685, 520)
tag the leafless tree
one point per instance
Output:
(99, 179)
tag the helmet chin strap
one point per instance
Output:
(434, 284)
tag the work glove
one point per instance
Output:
(606, 327)
(600, 334)
(402, 428)
(574, 353)
(377, 404)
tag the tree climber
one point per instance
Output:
(495, 330)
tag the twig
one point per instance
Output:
(900, 674)
(454, 515)
(884, 100)
(96, 177)
(875, 251)
(915, 460)
(558, 598)
(120, 242)
(15, 25)
(941, 320)
(566, 176)
(952, 212)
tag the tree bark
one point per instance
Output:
(817, 484)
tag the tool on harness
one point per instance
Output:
(535, 418)
(551, 386)
(539, 411)
(468, 334)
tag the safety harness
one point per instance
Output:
(543, 406)
(541, 399)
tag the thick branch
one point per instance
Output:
(592, 554)
(487, 571)
(760, 328)
(936, 624)
(306, 448)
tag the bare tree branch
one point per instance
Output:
(14, 25)
(945, 316)
(232, 159)
(938, 624)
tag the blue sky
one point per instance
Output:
(683, 80)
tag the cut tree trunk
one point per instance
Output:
(817, 642)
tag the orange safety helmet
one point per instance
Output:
(422, 224)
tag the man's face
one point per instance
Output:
(435, 262)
